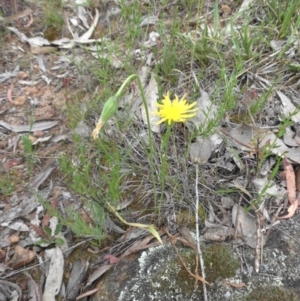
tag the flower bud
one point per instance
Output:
(109, 108)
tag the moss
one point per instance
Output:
(185, 216)
(271, 293)
(174, 274)
(218, 264)
(240, 117)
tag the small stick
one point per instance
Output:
(197, 234)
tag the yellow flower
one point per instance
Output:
(177, 110)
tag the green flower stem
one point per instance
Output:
(151, 139)
(111, 106)
(164, 164)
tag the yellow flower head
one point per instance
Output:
(177, 110)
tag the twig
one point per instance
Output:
(197, 234)
(173, 240)
(258, 247)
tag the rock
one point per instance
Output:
(156, 274)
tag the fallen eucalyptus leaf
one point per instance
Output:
(246, 226)
(76, 278)
(55, 275)
(288, 108)
(39, 126)
(98, 273)
(200, 151)
(42, 176)
(7, 75)
(207, 111)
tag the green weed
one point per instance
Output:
(53, 11)
(7, 186)
(51, 239)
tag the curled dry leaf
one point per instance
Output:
(20, 100)
(21, 257)
(291, 210)
(88, 293)
(9, 93)
(291, 188)
(290, 181)
(112, 259)
(235, 285)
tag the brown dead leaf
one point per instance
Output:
(291, 210)
(9, 93)
(30, 90)
(291, 188)
(235, 285)
(290, 181)
(44, 112)
(22, 75)
(43, 50)
(2, 255)
(20, 100)
(12, 163)
(3, 144)
(38, 134)
(226, 9)
(39, 231)
(86, 294)
(142, 244)
(112, 259)
(14, 239)
(98, 273)
(21, 257)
